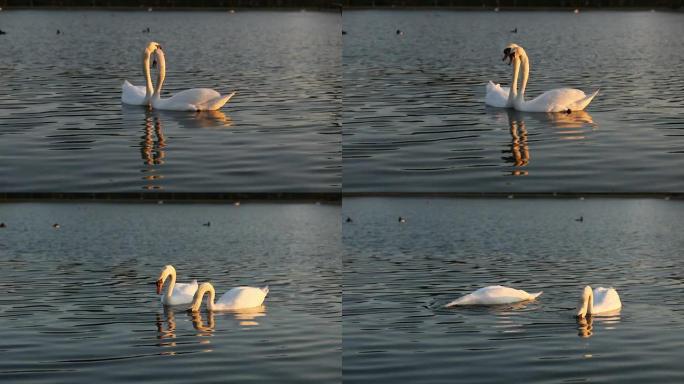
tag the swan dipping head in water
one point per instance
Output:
(598, 301)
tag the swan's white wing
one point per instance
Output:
(182, 294)
(606, 300)
(189, 100)
(241, 297)
(496, 96)
(132, 94)
(185, 289)
(493, 295)
(557, 100)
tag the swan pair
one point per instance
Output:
(196, 99)
(593, 302)
(191, 294)
(555, 100)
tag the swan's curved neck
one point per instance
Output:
(148, 77)
(199, 295)
(512, 94)
(172, 284)
(161, 75)
(587, 307)
(525, 62)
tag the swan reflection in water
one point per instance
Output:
(585, 325)
(153, 143)
(569, 126)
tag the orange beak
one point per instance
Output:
(159, 286)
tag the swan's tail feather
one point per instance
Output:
(533, 296)
(583, 103)
(265, 290)
(216, 103)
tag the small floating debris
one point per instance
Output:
(402, 219)
(146, 30)
(207, 224)
(2, 32)
(149, 9)
(576, 10)
(344, 32)
(581, 219)
(231, 11)
(59, 32)
(510, 196)
(581, 198)
(237, 203)
(160, 202)
(55, 226)
(667, 197)
(496, 9)
(349, 220)
(2, 225)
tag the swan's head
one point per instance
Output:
(512, 52)
(584, 301)
(167, 271)
(151, 47)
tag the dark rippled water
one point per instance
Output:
(398, 277)
(79, 303)
(63, 128)
(414, 115)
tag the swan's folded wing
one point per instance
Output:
(557, 100)
(185, 289)
(195, 96)
(496, 96)
(132, 94)
(216, 103)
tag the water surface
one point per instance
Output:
(414, 115)
(63, 128)
(79, 303)
(398, 277)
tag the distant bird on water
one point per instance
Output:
(400, 32)
(344, 32)
(207, 224)
(2, 32)
(2, 225)
(514, 30)
(581, 218)
(146, 30)
(349, 220)
(59, 32)
(55, 226)
(402, 220)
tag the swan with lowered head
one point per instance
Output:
(139, 94)
(195, 99)
(176, 294)
(555, 100)
(494, 295)
(598, 301)
(235, 299)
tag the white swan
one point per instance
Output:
(176, 294)
(598, 301)
(139, 94)
(196, 99)
(555, 100)
(236, 298)
(493, 295)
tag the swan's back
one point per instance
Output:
(606, 300)
(492, 295)
(242, 297)
(496, 95)
(195, 96)
(557, 100)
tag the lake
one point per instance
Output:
(79, 302)
(398, 277)
(63, 127)
(415, 120)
